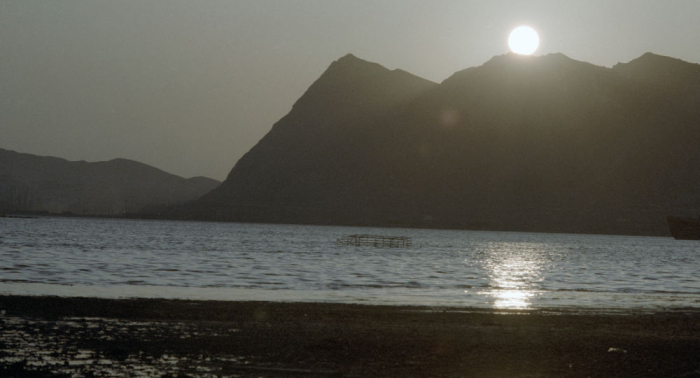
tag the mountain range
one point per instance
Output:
(31, 183)
(523, 143)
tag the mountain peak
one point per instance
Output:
(348, 57)
(353, 79)
(512, 60)
(662, 72)
(654, 61)
(350, 65)
(511, 63)
(650, 56)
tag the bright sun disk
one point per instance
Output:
(523, 40)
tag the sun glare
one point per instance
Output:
(523, 40)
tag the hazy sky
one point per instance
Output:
(190, 86)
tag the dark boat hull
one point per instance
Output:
(684, 228)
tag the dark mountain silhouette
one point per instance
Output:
(49, 184)
(520, 143)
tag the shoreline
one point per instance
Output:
(111, 296)
(417, 226)
(279, 339)
(583, 303)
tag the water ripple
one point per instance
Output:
(486, 269)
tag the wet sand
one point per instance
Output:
(90, 337)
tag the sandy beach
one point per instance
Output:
(90, 337)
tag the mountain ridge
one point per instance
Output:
(519, 143)
(33, 183)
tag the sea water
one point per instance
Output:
(442, 268)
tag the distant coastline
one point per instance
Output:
(44, 185)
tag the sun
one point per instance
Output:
(523, 40)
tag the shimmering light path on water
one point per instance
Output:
(199, 260)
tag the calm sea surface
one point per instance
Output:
(230, 261)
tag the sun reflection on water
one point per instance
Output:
(515, 271)
(513, 299)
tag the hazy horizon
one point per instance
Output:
(189, 87)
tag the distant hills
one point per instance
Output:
(31, 183)
(520, 143)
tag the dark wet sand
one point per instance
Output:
(263, 339)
